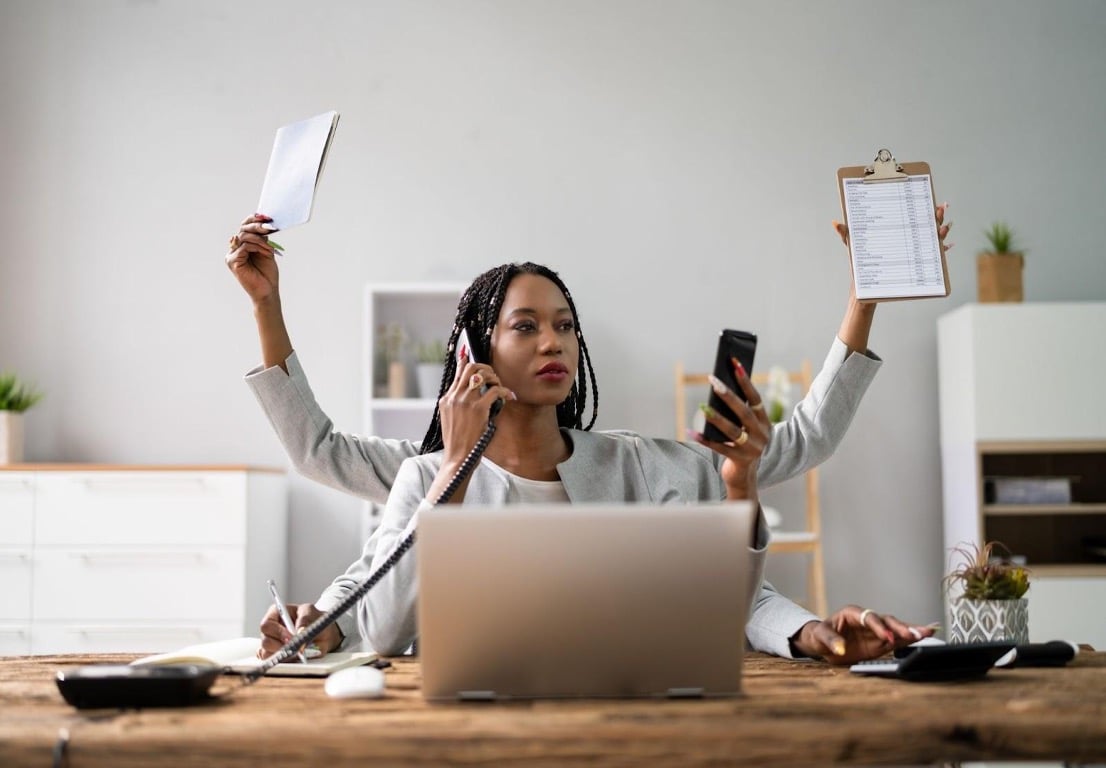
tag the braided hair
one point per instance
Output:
(479, 309)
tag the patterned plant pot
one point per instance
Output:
(981, 621)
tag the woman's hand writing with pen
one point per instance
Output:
(274, 635)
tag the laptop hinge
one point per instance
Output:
(476, 695)
(685, 693)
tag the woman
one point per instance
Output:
(542, 451)
(367, 465)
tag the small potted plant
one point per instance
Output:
(393, 340)
(15, 398)
(992, 605)
(430, 368)
(999, 270)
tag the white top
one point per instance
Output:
(526, 491)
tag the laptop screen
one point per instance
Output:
(559, 600)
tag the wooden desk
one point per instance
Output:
(793, 713)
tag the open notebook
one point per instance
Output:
(240, 655)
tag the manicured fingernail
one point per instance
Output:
(945, 205)
(915, 632)
(948, 246)
(738, 368)
(890, 637)
(276, 246)
(716, 384)
(694, 436)
(263, 217)
(706, 409)
(512, 394)
(268, 227)
(839, 647)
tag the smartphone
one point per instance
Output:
(731, 344)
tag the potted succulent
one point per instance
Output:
(430, 367)
(992, 605)
(393, 340)
(999, 270)
(15, 398)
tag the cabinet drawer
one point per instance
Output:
(108, 584)
(15, 639)
(15, 584)
(174, 508)
(17, 503)
(122, 637)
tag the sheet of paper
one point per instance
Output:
(893, 238)
(295, 165)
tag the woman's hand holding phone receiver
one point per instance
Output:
(465, 407)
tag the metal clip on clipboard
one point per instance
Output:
(884, 168)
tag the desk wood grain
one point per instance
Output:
(792, 713)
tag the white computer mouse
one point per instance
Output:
(363, 682)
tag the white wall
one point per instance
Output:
(674, 160)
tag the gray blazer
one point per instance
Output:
(634, 469)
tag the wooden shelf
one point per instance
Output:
(1044, 509)
(1075, 570)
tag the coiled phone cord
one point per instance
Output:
(292, 647)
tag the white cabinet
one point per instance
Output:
(137, 559)
(419, 314)
(16, 542)
(1021, 403)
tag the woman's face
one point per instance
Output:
(534, 346)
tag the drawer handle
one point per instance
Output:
(141, 558)
(100, 631)
(146, 485)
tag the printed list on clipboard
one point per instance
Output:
(295, 166)
(893, 241)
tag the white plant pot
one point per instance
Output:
(11, 437)
(982, 621)
(428, 376)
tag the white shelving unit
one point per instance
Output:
(1020, 397)
(425, 312)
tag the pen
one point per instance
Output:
(284, 617)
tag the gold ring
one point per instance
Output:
(864, 614)
(742, 438)
(475, 381)
(758, 407)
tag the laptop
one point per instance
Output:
(559, 600)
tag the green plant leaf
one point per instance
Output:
(15, 395)
(986, 577)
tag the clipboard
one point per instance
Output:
(894, 249)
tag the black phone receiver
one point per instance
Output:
(473, 344)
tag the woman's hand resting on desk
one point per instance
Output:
(274, 634)
(854, 634)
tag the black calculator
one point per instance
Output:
(933, 663)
